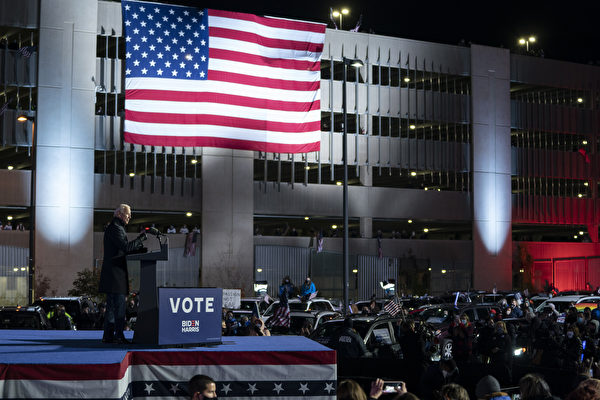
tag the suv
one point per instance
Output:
(299, 318)
(17, 317)
(73, 305)
(562, 303)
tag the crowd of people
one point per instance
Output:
(9, 226)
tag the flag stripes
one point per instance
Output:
(219, 78)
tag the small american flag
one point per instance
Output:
(392, 307)
(200, 77)
(281, 317)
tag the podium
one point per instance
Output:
(146, 326)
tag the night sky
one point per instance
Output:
(565, 31)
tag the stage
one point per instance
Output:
(75, 364)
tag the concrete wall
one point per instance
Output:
(65, 135)
(492, 251)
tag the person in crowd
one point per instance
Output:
(244, 328)
(8, 226)
(534, 387)
(258, 328)
(486, 339)
(306, 329)
(307, 289)
(584, 371)
(587, 390)
(461, 332)
(501, 354)
(572, 348)
(231, 323)
(131, 310)
(171, 229)
(196, 229)
(373, 309)
(571, 317)
(99, 322)
(350, 390)
(452, 391)
(86, 319)
(516, 311)
(202, 387)
(437, 376)
(20, 227)
(59, 318)
(488, 388)
(348, 342)
(184, 229)
(114, 279)
(596, 311)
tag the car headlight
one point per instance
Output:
(519, 351)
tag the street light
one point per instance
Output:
(353, 63)
(336, 13)
(526, 41)
(31, 272)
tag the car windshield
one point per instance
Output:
(437, 314)
(328, 329)
(561, 306)
(19, 320)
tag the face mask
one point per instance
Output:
(570, 335)
(500, 331)
(463, 321)
(580, 320)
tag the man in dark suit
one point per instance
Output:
(114, 280)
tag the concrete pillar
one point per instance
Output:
(227, 219)
(366, 223)
(491, 161)
(65, 136)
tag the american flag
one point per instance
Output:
(392, 307)
(281, 316)
(201, 77)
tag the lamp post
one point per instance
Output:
(526, 41)
(340, 13)
(354, 63)
(31, 269)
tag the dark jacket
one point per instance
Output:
(114, 277)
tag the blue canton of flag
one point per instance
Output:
(166, 41)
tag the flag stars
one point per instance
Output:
(251, 388)
(188, 27)
(182, 65)
(167, 48)
(194, 20)
(159, 40)
(196, 34)
(165, 19)
(171, 11)
(189, 41)
(186, 13)
(303, 388)
(174, 40)
(159, 71)
(134, 15)
(196, 66)
(136, 31)
(179, 19)
(128, 39)
(202, 27)
(278, 387)
(143, 24)
(166, 33)
(200, 13)
(168, 64)
(175, 56)
(203, 58)
(144, 71)
(142, 8)
(127, 7)
(196, 50)
(128, 55)
(152, 63)
(174, 72)
(152, 47)
(151, 31)
(136, 63)
(226, 388)
(203, 42)
(150, 17)
(149, 388)
(158, 25)
(157, 10)
(182, 49)
(136, 47)
(173, 26)
(144, 39)
(159, 55)
(188, 74)
(202, 74)
(144, 55)
(189, 57)
(127, 71)
(128, 23)
(181, 33)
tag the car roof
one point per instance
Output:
(74, 298)
(572, 297)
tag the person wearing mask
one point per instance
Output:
(202, 387)
(501, 354)
(60, 319)
(348, 342)
(461, 331)
(516, 310)
(307, 289)
(572, 348)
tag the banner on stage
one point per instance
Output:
(189, 315)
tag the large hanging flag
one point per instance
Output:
(201, 77)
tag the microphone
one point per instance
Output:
(154, 231)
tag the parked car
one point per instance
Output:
(316, 304)
(73, 306)
(17, 317)
(298, 319)
(255, 305)
(562, 303)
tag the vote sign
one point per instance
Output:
(189, 315)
